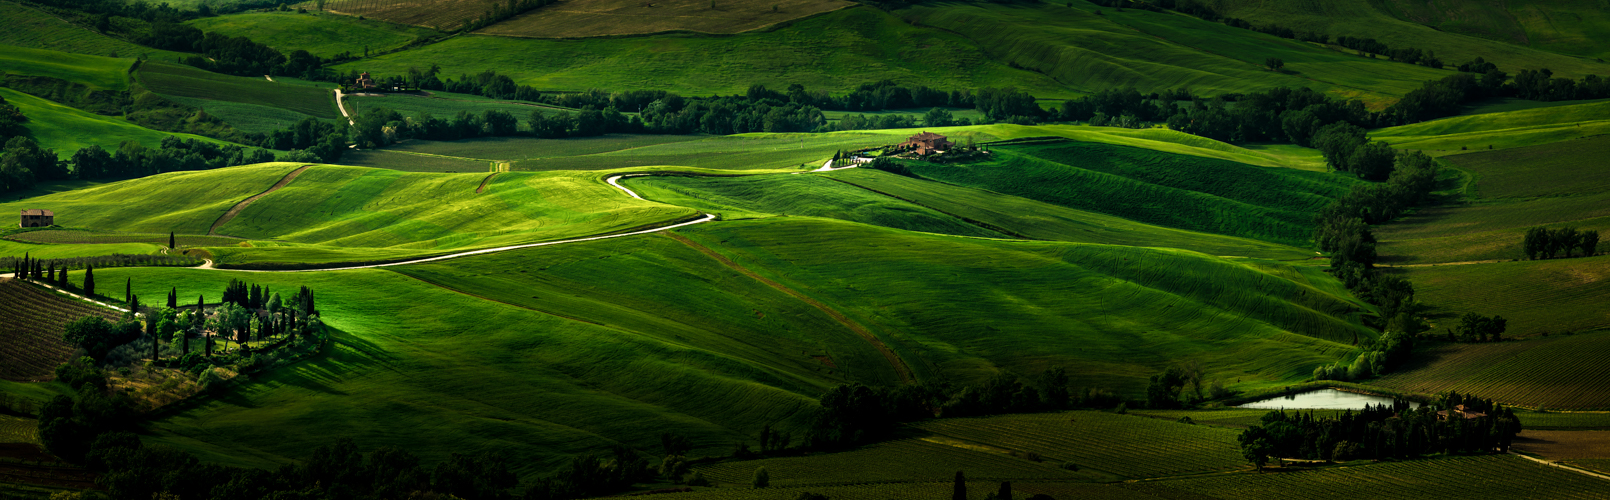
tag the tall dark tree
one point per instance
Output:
(89, 281)
(128, 290)
(171, 242)
(959, 489)
(1005, 492)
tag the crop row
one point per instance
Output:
(909, 491)
(904, 460)
(439, 14)
(412, 163)
(1130, 446)
(18, 429)
(90, 237)
(31, 320)
(1540, 372)
(1497, 476)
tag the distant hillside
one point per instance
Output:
(584, 18)
(1576, 27)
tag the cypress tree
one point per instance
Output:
(960, 490)
(173, 298)
(128, 290)
(134, 304)
(89, 281)
(63, 277)
(170, 241)
(1006, 491)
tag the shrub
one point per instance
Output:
(762, 478)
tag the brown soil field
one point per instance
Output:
(1565, 445)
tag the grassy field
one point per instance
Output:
(527, 148)
(182, 202)
(1564, 26)
(1537, 296)
(1178, 191)
(587, 18)
(1501, 130)
(413, 162)
(1550, 372)
(916, 491)
(323, 35)
(1158, 51)
(1122, 445)
(799, 195)
(446, 108)
(1111, 321)
(438, 14)
(1506, 476)
(31, 319)
(16, 249)
(18, 429)
(1044, 221)
(67, 129)
(835, 52)
(905, 460)
(1364, 18)
(36, 29)
(185, 81)
(98, 73)
(91, 237)
(243, 116)
(1552, 185)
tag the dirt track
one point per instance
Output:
(233, 211)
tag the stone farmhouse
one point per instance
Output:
(927, 143)
(38, 218)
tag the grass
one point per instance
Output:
(243, 116)
(905, 460)
(1504, 130)
(394, 160)
(1046, 221)
(935, 488)
(439, 14)
(1536, 296)
(1551, 185)
(66, 129)
(1122, 445)
(1500, 475)
(1178, 191)
(1363, 18)
(10, 248)
(1224, 417)
(937, 300)
(18, 429)
(837, 52)
(1567, 27)
(1565, 421)
(807, 195)
(588, 18)
(35, 29)
(99, 73)
(527, 148)
(1158, 51)
(185, 81)
(446, 108)
(323, 35)
(31, 321)
(91, 237)
(1550, 373)
(182, 202)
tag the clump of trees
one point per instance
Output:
(1477, 328)
(1454, 424)
(1547, 243)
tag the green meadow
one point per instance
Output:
(98, 73)
(245, 117)
(322, 34)
(68, 129)
(185, 81)
(32, 28)
(1158, 51)
(1537, 372)
(1554, 296)
(836, 51)
(1567, 27)
(1500, 130)
(441, 107)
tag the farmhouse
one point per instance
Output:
(926, 143)
(364, 82)
(38, 218)
(1460, 411)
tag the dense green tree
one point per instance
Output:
(938, 117)
(958, 489)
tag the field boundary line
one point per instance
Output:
(235, 210)
(898, 364)
(1562, 466)
(484, 182)
(980, 224)
(67, 293)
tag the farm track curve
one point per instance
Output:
(235, 210)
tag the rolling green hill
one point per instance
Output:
(1177, 191)
(1366, 19)
(98, 73)
(1159, 51)
(836, 52)
(1575, 27)
(1501, 130)
(67, 129)
(590, 18)
(323, 35)
(185, 81)
(32, 28)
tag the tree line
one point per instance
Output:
(1453, 424)
(1546, 243)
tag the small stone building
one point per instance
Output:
(38, 218)
(927, 143)
(364, 82)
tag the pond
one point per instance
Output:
(1323, 399)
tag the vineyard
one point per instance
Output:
(60, 237)
(1498, 476)
(114, 260)
(1551, 373)
(31, 321)
(1126, 445)
(15, 429)
(588, 18)
(185, 81)
(439, 14)
(915, 491)
(380, 158)
(906, 460)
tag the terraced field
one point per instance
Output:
(1129, 446)
(31, 320)
(1538, 372)
(1501, 475)
(18, 429)
(185, 81)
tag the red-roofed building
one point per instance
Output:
(38, 218)
(927, 143)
